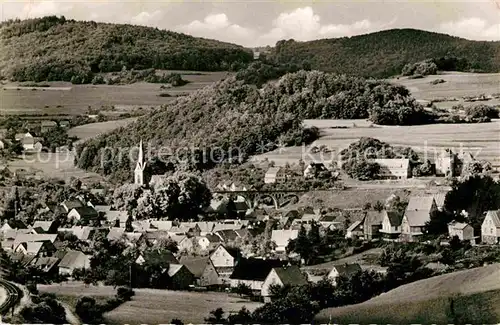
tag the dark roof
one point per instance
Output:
(291, 275)
(70, 204)
(374, 218)
(395, 218)
(234, 252)
(293, 214)
(16, 224)
(213, 238)
(254, 269)
(347, 269)
(196, 265)
(87, 211)
(158, 256)
(227, 234)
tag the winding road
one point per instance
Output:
(13, 296)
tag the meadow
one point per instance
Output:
(475, 294)
(88, 131)
(150, 306)
(64, 97)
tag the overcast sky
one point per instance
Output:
(261, 22)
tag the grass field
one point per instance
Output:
(476, 295)
(150, 306)
(88, 131)
(77, 99)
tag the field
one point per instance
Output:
(476, 295)
(456, 86)
(364, 259)
(150, 306)
(88, 131)
(78, 98)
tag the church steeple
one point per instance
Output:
(140, 166)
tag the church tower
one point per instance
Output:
(139, 168)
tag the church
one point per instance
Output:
(140, 177)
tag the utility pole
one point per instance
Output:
(130, 276)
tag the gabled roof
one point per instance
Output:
(395, 218)
(272, 171)
(45, 264)
(70, 258)
(347, 269)
(112, 216)
(311, 217)
(494, 215)
(417, 218)
(163, 255)
(45, 225)
(291, 275)
(213, 238)
(439, 198)
(282, 237)
(48, 124)
(420, 203)
(82, 232)
(196, 265)
(71, 204)
(234, 252)
(173, 269)
(374, 218)
(354, 225)
(86, 211)
(115, 233)
(16, 224)
(161, 224)
(32, 247)
(227, 235)
(254, 269)
(22, 258)
(457, 225)
(102, 208)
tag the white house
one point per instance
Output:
(224, 259)
(490, 228)
(394, 168)
(282, 238)
(252, 272)
(343, 270)
(417, 214)
(73, 260)
(460, 229)
(391, 224)
(282, 276)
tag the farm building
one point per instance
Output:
(180, 278)
(394, 168)
(490, 228)
(372, 224)
(282, 276)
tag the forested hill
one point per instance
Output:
(53, 48)
(383, 54)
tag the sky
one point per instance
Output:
(263, 22)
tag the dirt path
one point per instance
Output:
(71, 318)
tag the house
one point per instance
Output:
(343, 270)
(417, 213)
(462, 230)
(12, 224)
(253, 272)
(314, 169)
(394, 168)
(83, 214)
(37, 248)
(49, 227)
(3, 144)
(372, 224)
(227, 235)
(64, 124)
(329, 221)
(355, 230)
(490, 228)
(209, 242)
(117, 218)
(440, 198)
(73, 260)
(272, 175)
(21, 136)
(391, 225)
(282, 276)
(180, 278)
(29, 237)
(69, 205)
(206, 227)
(161, 224)
(47, 126)
(141, 225)
(203, 270)
(185, 244)
(224, 259)
(445, 165)
(47, 265)
(115, 234)
(282, 237)
(309, 218)
(156, 256)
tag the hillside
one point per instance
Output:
(383, 54)
(53, 48)
(475, 294)
(232, 120)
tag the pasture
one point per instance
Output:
(89, 131)
(475, 293)
(150, 306)
(64, 97)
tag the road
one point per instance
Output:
(12, 297)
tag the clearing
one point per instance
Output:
(475, 294)
(151, 306)
(89, 131)
(364, 259)
(64, 97)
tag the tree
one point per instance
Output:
(438, 223)
(15, 148)
(88, 310)
(176, 321)
(243, 289)
(216, 317)
(378, 206)
(242, 317)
